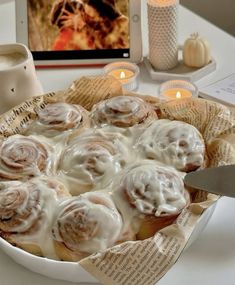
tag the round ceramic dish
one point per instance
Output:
(72, 271)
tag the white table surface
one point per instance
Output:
(211, 259)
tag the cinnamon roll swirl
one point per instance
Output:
(84, 225)
(22, 157)
(26, 210)
(122, 111)
(90, 162)
(59, 117)
(156, 193)
(175, 143)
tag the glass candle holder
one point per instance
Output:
(127, 73)
(177, 89)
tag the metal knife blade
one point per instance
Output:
(217, 180)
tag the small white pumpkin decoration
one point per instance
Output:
(196, 51)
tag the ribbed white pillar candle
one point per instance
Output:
(163, 33)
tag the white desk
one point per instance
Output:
(211, 259)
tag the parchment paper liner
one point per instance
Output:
(143, 262)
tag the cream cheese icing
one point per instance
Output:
(87, 223)
(122, 111)
(175, 143)
(57, 118)
(90, 161)
(30, 207)
(153, 188)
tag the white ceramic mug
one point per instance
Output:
(18, 80)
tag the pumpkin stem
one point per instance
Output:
(195, 36)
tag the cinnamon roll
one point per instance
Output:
(26, 211)
(175, 143)
(90, 162)
(59, 117)
(156, 194)
(23, 157)
(122, 111)
(85, 225)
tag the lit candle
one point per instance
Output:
(121, 74)
(177, 90)
(127, 73)
(177, 93)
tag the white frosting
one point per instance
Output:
(25, 152)
(104, 160)
(123, 105)
(39, 199)
(173, 142)
(88, 226)
(57, 113)
(16, 203)
(123, 111)
(91, 161)
(56, 118)
(11, 59)
(130, 215)
(153, 188)
(22, 157)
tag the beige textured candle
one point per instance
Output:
(163, 33)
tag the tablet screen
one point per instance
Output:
(78, 29)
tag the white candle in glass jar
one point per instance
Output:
(126, 72)
(177, 90)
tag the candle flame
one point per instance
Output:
(122, 75)
(178, 95)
